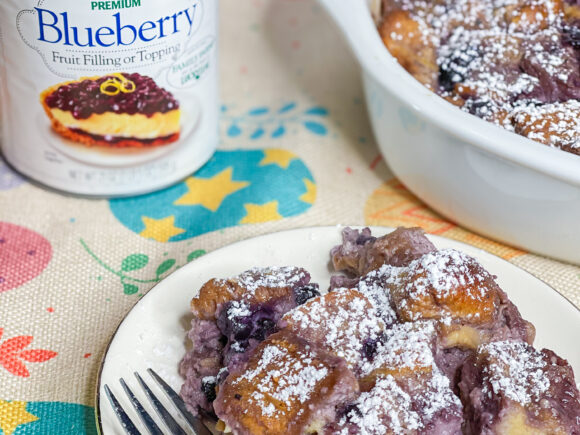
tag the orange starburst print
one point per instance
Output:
(393, 205)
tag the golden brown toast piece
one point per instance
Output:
(402, 35)
(286, 387)
(446, 284)
(555, 124)
(342, 322)
(405, 351)
(532, 16)
(253, 286)
(572, 11)
(230, 319)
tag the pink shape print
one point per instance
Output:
(24, 254)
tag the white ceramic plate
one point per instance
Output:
(153, 333)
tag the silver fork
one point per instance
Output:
(195, 423)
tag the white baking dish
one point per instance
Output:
(485, 178)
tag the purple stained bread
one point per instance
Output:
(361, 253)
(231, 317)
(425, 406)
(510, 387)
(403, 389)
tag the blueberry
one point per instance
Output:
(480, 107)
(364, 237)
(370, 348)
(208, 389)
(456, 68)
(571, 34)
(448, 79)
(240, 330)
(240, 346)
(304, 294)
(263, 328)
(352, 409)
(234, 327)
(148, 98)
(222, 375)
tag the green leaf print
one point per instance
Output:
(165, 266)
(134, 262)
(131, 284)
(130, 289)
(195, 254)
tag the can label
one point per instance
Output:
(108, 97)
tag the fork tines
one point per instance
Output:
(172, 425)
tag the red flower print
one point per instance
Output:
(12, 351)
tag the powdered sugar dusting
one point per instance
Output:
(445, 271)
(238, 309)
(500, 58)
(555, 124)
(438, 396)
(288, 379)
(408, 349)
(270, 277)
(345, 319)
(386, 408)
(515, 370)
(390, 408)
(440, 275)
(406, 345)
(373, 286)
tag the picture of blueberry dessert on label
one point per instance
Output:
(117, 110)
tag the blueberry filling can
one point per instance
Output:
(108, 98)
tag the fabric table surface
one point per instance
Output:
(71, 268)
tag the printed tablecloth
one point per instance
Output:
(296, 150)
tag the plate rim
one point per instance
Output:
(291, 230)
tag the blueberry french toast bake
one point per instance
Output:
(408, 340)
(515, 63)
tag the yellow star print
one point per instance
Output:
(210, 192)
(281, 158)
(12, 415)
(160, 229)
(256, 214)
(310, 196)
